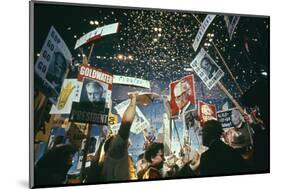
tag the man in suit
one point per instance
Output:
(219, 159)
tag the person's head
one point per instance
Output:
(212, 131)
(59, 66)
(94, 91)
(236, 117)
(206, 65)
(154, 154)
(182, 91)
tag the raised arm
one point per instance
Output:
(128, 117)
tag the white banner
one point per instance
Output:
(70, 92)
(231, 23)
(52, 64)
(96, 34)
(124, 80)
(203, 28)
(140, 122)
(207, 69)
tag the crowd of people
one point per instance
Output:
(219, 156)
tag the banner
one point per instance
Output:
(207, 69)
(225, 118)
(206, 112)
(95, 96)
(52, 64)
(140, 122)
(57, 136)
(231, 23)
(70, 92)
(182, 94)
(124, 80)
(203, 28)
(96, 34)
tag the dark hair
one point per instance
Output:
(213, 129)
(206, 59)
(152, 150)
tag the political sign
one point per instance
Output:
(95, 96)
(97, 34)
(206, 112)
(182, 93)
(207, 69)
(203, 28)
(51, 65)
(124, 80)
(70, 92)
(231, 23)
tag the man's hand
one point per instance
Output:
(128, 117)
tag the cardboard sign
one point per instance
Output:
(70, 91)
(124, 80)
(96, 34)
(231, 23)
(230, 118)
(207, 69)
(52, 64)
(95, 96)
(203, 28)
(182, 94)
(206, 112)
(140, 122)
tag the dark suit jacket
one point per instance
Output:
(221, 159)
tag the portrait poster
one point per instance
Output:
(95, 96)
(206, 112)
(52, 63)
(182, 95)
(207, 69)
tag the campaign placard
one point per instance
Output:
(207, 69)
(225, 118)
(70, 92)
(96, 34)
(124, 80)
(182, 93)
(203, 28)
(231, 23)
(206, 112)
(52, 64)
(95, 96)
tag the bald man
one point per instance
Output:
(182, 91)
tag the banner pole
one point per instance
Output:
(178, 136)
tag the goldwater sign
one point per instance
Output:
(95, 96)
